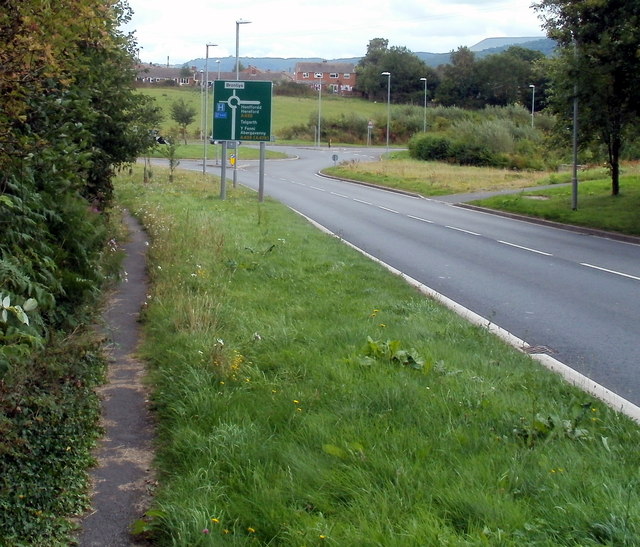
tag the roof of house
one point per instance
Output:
(161, 71)
(324, 66)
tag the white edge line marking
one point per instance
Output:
(609, 271)
(462, 230)
(421, 219)
(387, 209)
(524, 248)
(572, 376)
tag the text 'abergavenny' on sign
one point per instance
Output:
(242, 111)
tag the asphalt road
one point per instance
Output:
(574, 295)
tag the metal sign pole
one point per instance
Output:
(223, 172)
(261, 175)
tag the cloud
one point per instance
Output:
(326, 29)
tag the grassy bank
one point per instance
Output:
(597, 208)
(305, 396)
(435, 178)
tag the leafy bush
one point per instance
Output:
(430, 147)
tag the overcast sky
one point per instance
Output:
(329, 29)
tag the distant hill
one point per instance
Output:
(486, 47)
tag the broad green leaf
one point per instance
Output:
(22, 317)
(30, 305)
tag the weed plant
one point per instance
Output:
(305, 396)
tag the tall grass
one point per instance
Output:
(307, 397)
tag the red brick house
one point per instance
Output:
(338, 78)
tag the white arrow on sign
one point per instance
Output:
(234, 101)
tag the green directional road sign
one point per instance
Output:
(242, 111)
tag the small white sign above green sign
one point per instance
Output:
(242, 111)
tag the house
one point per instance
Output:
(339, 78)
(250, 73)
(158, 74)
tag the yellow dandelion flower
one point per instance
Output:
(295, 401)
(215, 520)
(251, 530)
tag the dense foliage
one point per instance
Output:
(500, 79)
(69, 118)
(495, 136)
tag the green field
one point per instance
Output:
(287, 111)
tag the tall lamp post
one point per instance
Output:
(424, 124)
(237, 149)
(238, 23)
(388, 75)
(218, 63)
(319, 109)
(206, 105)
(533, 101)
(202, 104)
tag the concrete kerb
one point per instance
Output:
(567, 373)
(561, 226)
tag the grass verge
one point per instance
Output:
(305, 396)
(435, 178)
(214, 152)
(597, 208)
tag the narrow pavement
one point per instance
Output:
(122, 478)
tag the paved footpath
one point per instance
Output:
(122, 478)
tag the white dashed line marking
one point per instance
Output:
(610, 271)
(524, 248)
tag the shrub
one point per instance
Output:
(430, 147)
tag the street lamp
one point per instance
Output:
(319, 109)
(218, 62)
(388, 75)
(237, 149)
(206, 104)
(533, 101)
(424, 125)
(202, 103)
(238, 23)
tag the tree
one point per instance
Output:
(405, 67)
(504, 78)
(183, 115)
(459, 81)
(599, 54)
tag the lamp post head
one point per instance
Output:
(385, 74)
(241, 22)
(533, 86)
(423, 79)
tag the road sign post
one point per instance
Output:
(242, 112)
